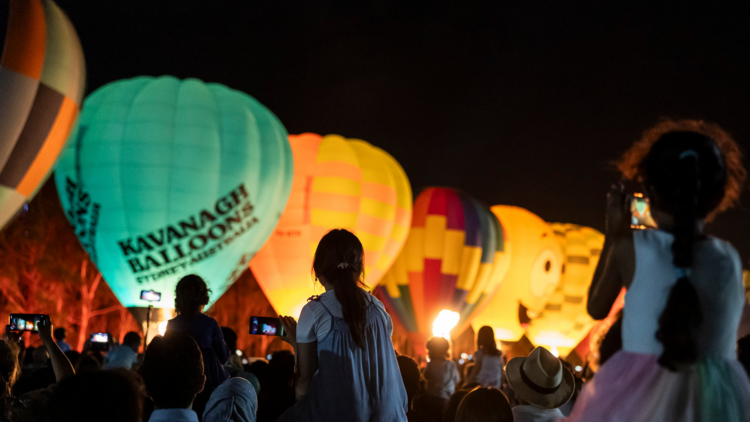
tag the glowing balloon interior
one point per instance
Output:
(338, 183)
(564, 322)
(535, 269)
(444, 323)
(455, 257)
(42, 76)
(166, 177)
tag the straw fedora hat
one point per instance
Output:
(540, 379)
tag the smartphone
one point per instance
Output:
(150, 295)
(26, 322)
(99, 337)
(640, 212)
(266, 326)
(99, 342)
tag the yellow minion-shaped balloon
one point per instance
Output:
(565, 321)
(535, 269)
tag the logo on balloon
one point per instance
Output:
(167, 177)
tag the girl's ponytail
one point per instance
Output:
(682, 314)
(340, 260)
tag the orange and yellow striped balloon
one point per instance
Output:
(338, 183)
(564, 322)
(42, 75)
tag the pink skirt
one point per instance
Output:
(633, 387)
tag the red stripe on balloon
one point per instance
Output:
(419, 216)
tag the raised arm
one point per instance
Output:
(617, 263)
(474, 369)
(60, 363)
(305, 354)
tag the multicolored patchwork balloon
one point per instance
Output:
(165, 177)
(564, 322)
(338, 183)
(455, 257)
(42, 77)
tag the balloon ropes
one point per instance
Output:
(338, 183)
(454, 259)
(165, 177)
(535, 270)
(564, 322)
(42, 77)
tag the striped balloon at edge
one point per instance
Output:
(454, 258)
(338, 183)
(42, 78)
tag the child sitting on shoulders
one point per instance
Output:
(441, 373)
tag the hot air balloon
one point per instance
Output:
(338, 183)
(564, 322)
(166, 177)
(454, 259)
(42, 77)
(535, 269)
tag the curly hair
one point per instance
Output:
(631, 162)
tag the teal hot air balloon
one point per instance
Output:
(166, 177)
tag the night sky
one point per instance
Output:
(524, 105)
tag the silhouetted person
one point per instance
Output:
(411, 376)
(488, 366)
(541, 385)
(191, 296)
(28, 407)
(484, 405)
(449, 413)
(172, 373)
(60, 339)
(96, 397)
(125, 355)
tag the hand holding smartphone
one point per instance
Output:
(26, 322)
(100, 341)
(266, 326)
(640, 212)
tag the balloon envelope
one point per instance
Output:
(564, 322)
(338, 183)
(535, 268)
(455, 257)
(42, 76)
(166, 177)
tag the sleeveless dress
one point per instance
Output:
(491, 373)
(632, 386)
(354, 384)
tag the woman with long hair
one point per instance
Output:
(684, 288)
(488, 366)
(346, 365)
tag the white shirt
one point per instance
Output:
(441, 376)
(528, 413)
(315, 323)
(173, 415)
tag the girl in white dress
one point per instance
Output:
(684, 289)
